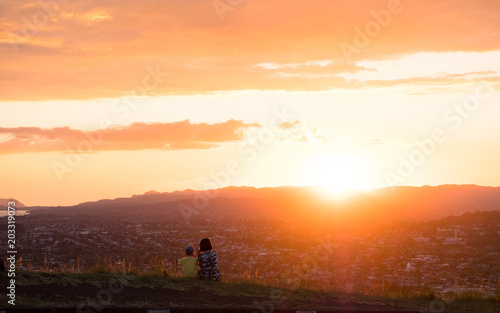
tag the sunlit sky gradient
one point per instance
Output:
(101, 99)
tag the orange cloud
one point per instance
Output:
(86, 50)
(137, 136)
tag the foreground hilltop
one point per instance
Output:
(94, 292)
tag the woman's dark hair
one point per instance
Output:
(205, 245)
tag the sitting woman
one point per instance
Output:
(207, 261)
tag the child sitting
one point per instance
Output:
(189, 263)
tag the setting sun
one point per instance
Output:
(110, 100)
(338, 173)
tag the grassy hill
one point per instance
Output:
(93, 292)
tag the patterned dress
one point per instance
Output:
(208, 266)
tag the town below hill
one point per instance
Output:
(457, 254)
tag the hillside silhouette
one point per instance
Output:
(4, 203)
(312, 206)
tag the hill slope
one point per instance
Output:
(65, 290)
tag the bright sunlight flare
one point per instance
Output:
(338, 173)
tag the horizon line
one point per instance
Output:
(332, 192)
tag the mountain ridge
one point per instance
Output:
(311, 206)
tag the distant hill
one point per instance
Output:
(309, 205)
(4, 203)
(489, 218)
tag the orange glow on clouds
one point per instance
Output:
(78, 51)
(187, 88)
(137, 136)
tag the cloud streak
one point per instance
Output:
(182, 135)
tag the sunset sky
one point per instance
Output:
(106, 99)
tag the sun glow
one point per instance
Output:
(338, 173)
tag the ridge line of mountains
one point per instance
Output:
(312, 206)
